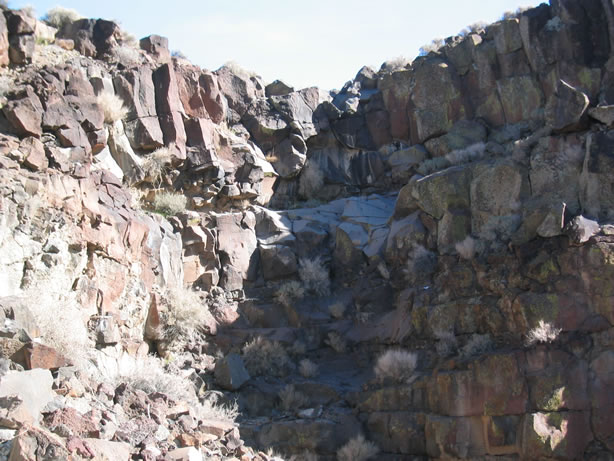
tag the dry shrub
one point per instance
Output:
(237, 69)
(467, 248)
(59, 16)
(544, 332)
(314, 275)
(212, 410)
(336, 310)
(61, 322)
(127, 55)
(289, 292)
(170, 203)
(477, 344)
(145, 373)
(264, 357)
(432, 47)
(186, 315)
(308, 369)
(396, 364)
(447, 344)
(112, 106)
(471, 153)
(357, 449)
(291, 399)
(305, 456)
(336, 342)
(311, 180)
(395, 64)
(155, 165)
(432, 165)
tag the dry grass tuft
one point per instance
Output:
(471, 153)
(395, 64)
(397, 364)
(543, 333)
(170, 203)
(314, 275)
(308, 369)
(211, 409)
(112, 106)
(289, 292)
(432, 47)
(291, 399)
(264, 357)
(357, 449)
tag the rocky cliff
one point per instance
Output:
(197, 264)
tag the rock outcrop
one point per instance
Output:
(424, 257)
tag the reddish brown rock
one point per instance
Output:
(25, 114)
(200, 94)
(41, 356)
(168, 106)
(4, 42)
(34, 153)
(32, 441)
(157, 47)
(240, 88)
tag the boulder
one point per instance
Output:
(200, 93)
(278, 88)
(521, 97)
(240, 88)
(581, 229)
(396, 88)
(34, 154)
(25, 114)
(277, 261)
(237, 242)
(398, 432)
(603, 114)
(297, 108)
(124, 156)
(402, 162)
(19, 22)
(566, 107)
(289, 156)
(265, 124)
(185, 454)
(33, 388)
(168, 107)
(230, 372)
(4, 42)
(437, 192)
(30, 443)
(596, 187)
(157, 47)
(436, 102)
(21, 49)
(459, 438)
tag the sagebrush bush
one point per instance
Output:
(311, 180)
(170, 203)
(155, 165)
(434, 47)
(544, 332)
(432, 165)
(112, 107)
(59, 16)
(307, 368)
(210, 409)
(314, 274)
(337, 310)
(289, 292)
(264, 357)
(466, 248)
(357, 449)
(291, 399)
(396, 364)
(477, 344)
(395, 64)
(471, 153)
(447, 343)
(336, 342)
(185, 315)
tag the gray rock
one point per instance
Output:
(32, 387)
(603, 114)
(581, 229)
(277, 261)
(230, 372)
(565, 107)
(278, 88)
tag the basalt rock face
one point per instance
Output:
(459, 209)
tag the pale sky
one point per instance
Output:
(314, 43)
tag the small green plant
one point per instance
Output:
(396, 364)
(357, 449)
(170, 203)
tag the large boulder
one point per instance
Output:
(25, 114)
(200, 93)
(596, 186)
(566, 107)
(230, 372)
(168, 107)
(240, 88)
(157, 47)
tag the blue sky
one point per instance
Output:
(320, 42)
